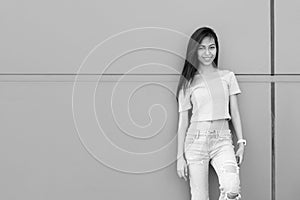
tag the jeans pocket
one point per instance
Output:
(189, 140)
(225, 138)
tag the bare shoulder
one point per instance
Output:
(225, 72)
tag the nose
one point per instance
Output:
(207, 52)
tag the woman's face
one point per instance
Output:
(207, 51)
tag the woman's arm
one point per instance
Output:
(182, 128)
(235, 117)
(182, 170)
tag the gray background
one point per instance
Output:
(52, 146)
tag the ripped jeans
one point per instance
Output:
(215, 146)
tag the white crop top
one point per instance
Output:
(208, 95)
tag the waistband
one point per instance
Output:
(208, 132)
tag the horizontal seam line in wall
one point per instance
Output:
(145, 78)
(115, 74)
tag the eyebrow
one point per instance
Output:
(208, 45)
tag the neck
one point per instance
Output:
(206, 69)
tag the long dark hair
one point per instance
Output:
(191, 61)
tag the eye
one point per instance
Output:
(212, 47)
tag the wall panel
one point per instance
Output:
(43, 156)
(56, 36)
(47, 155)
(286, 33)
(287, 139)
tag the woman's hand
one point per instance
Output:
(182, 169)
(240, 153)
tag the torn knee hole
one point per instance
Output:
(231, 167)
(231, 195)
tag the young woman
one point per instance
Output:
(211, 93)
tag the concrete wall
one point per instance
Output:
(88, 108)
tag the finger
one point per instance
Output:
(185, 170)
(238, 159)
(241, 159)
(179, 174)
(237, 154)
(184, 176)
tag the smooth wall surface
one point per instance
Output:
(287, 139)
(42, 156)
(46, 156)
(287, 30)
(287, 95)
(56, 36)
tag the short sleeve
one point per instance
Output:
(233, 86)
(184, 101)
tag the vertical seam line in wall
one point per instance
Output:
(273, 139)
(272, 62)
